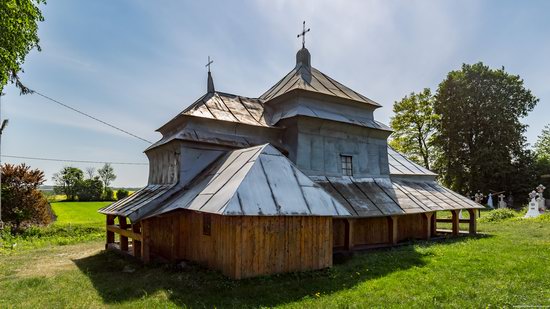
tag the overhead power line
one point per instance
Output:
(73, 161)
(88, 115)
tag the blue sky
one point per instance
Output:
(139, 63)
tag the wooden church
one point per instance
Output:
(279, 183)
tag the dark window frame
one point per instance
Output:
(346, 162)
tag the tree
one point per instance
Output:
(122, 193)
(90, 189)
(542, 146)
(18, 36)
(480, 134)
(107, 174)
(67, 181)
(90, 172)
(21, 199)
(414, 125)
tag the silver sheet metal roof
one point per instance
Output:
(294, 111)
(137, 203)
(372, 197)
(229, 107)
(256, 181)
(400, 165)
(310, 79)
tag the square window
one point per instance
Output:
(206, 224)
(347, 166)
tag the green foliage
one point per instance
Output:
(542, 146)
(108, 195)
(90, 189)
(22, 202)
(480, 134)
(414, 124)
(498, 215)
(18, 36)
(121, 193)
(67, 181)
(107, 174)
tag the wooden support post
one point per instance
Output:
(456, 223)
(434, 224)
(472, 229)
(123, 239)
(392, 229)
(146, 241)
(428, 226)
(348, 238)
(110, 235)
(136, 244)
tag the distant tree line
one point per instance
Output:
(71, 182)
(469, 131)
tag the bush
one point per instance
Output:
(122, 193)
(90, 189)
(22, 202)
(108, 195)
(498, 215)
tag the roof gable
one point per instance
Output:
(312, 80)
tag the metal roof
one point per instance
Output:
(137, 203)
(310, 79)
(372, 197)
(400, 165)
(256, 181)
(229, 107)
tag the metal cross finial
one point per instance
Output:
(209, 63)
(303, 34)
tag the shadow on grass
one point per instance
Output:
(195, 286)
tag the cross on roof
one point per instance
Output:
(209, 63)
(303, 34)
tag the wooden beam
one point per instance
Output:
(145, 242)
(472, 227)
(445, 220)
(392, 229)
(123, 223)
(348, 238)
(434, 224)
(127, 233)
(455, 222)
(110, 235)
(136, 243)
(428, 225)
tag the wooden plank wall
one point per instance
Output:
(339, 233)
(244, 246)
(411, 227)
(371, 231)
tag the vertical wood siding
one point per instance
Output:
(244, 246)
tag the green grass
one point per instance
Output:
(76, 222)
(510, 266)
(79, 213)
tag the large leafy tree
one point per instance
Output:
(18, 36)
(480, 134)
(542, 146)
(67, 181)
(22, 202)
(414, 125)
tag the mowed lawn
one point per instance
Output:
(79, 212)
(508, 267)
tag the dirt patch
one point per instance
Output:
(51, 261)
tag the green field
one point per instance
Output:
(79, 213)
(507, 267)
